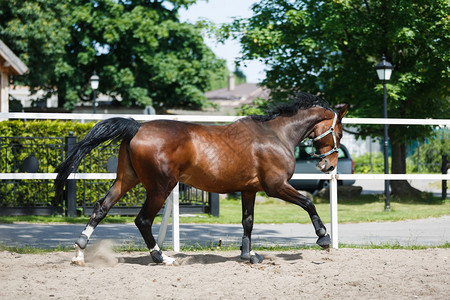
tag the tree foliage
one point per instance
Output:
(141, 52)
(429, 155)
(330, 48)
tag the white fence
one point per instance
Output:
(172, 207)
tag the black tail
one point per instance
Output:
(114, 129)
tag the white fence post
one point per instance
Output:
(171, 207)
(176, 218)
(165, 220)
(334, 210)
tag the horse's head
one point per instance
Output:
(326, 137)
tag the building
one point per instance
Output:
(228, 99)
(10, 65)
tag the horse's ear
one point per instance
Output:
(342, 112)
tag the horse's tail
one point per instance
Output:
(113, 129)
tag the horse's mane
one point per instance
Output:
(297, 101)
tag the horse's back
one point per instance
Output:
(209, 157)
(162, 139)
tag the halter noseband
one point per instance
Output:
(331, 130)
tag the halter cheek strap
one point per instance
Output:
(333, 134)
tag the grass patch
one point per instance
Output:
(62, 219)
(196, 247)
(233, 247)
(366, 208)
(392, 246)
(34, 250)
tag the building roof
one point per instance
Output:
(10, 61)
(241, 94)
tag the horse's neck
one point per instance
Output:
(292, 130)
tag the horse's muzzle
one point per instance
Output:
(325, 166)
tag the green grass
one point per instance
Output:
(394, 246)
(230, 247)
(367, 208)
(62, 219)
(34, 250)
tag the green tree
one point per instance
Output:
(139, 48)
(330, 48)
(429, 154)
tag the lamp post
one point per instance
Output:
(94, 85)
(384, 71)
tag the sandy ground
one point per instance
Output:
(302, 274)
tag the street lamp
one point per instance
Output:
(384, 71)
(94, 85)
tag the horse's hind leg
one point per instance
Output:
(144, 220)
(248, 205)
(125, 180)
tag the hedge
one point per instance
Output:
(49, 152)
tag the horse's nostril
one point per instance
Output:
(331, 169)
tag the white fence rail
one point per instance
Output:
(173, 206)
(206, 118)
(88, 176)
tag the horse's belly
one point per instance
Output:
(221, 183)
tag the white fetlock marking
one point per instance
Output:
(252, 253)
(168, 260)
(79, 256)
(155, 248)
(88, 231)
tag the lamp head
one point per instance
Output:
(384, 69)
(94, 80)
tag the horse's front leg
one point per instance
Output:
(248, 206)
(288, 193)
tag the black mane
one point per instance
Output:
(298, 101)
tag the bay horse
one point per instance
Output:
(254, 153)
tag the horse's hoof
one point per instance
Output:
(77, 262)
(256, 259)
(78, 259)
(326, 248)
(324, 241)
(169, 261)
(157, 256)
(173, 263)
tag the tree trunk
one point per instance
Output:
(61, 96)
(398, 166)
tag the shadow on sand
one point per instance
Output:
(207, 258)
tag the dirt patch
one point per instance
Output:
(302, 274)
